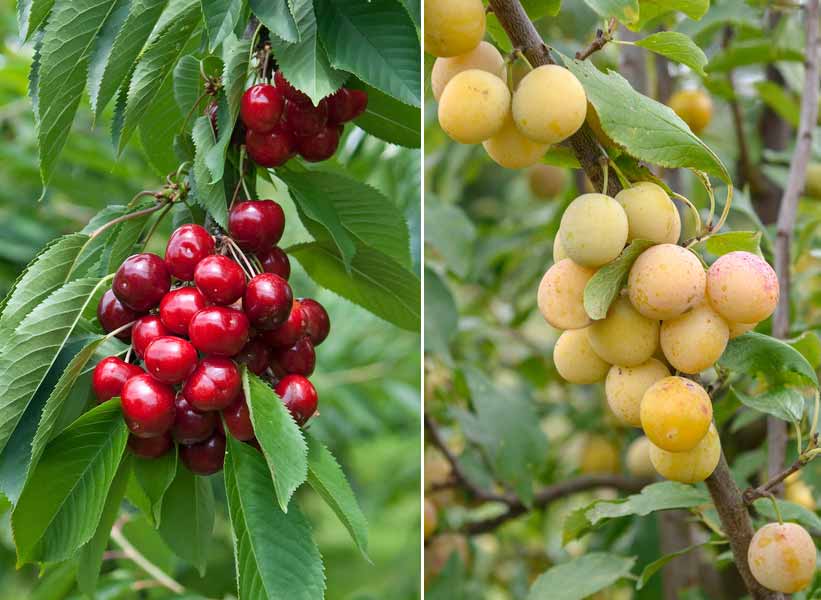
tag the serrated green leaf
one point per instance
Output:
(221, 17)
(103, 46)
(210, 196)
(63, 500)
(414, 8)
(276, 16)
(188, 518)
(376, 41)
(624, 11)
(187, 83)
(731, 241)
(279, 437)
(581, 577)
(56, 581)
(751, 52)
(762, 356)
(158, 128)
(31, 14)
(275, 555)
(388, 119)
(608, 281)
(677, 47)
(155, 476)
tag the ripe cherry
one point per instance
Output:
(287, 334)
(346, 105)
(213, 385)
(141, 281)
(305, 119)
(272, 149)
(220, 279)
(299, 359)
(321, 146)
(276, 261)
(113, 314)
(170, 359)
(187, 246)
(148, 406)
(317, 322)
(256, 355)
(238, 419)
(204, 458)
(110, 376)
(179, 306)
(299, 396)
(267, 301)
(261, 107)
(289, 91)
(146, 330)
(256, 225)
(153, 447)
(219, 330)
(191, 425)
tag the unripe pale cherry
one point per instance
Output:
(186, 247)
(665, 281)
(484, 57)
(624, 337)
(474, 106)
(512, 150)
(690, 466)
(561, 295)
(549, 104)
(800, 493)
(695, 340)
(638, 460)
(454, 27)
(742, 287)
(593, 229)
(651, 215)
(599, 456)
(575, 359)
(676, 414)
(782, 557)
(625, 387)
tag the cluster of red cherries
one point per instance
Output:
(190, 337)
(281, 122)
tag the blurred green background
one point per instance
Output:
(368, 372)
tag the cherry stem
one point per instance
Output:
(191, 110)
(119, 330)
(141, 561)
(129, 216)
(156, 223)
(240, 257)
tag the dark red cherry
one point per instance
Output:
(179, 306)
(238, 419)
(276, 261)
(113, 314)
(287, 334)
(299, 359)
(211, 111)
(272, 149)
(359, 100)
(256, 355)
(191, 425)
(148, 406)
(299, 396)
(153, 447)
(267, 301)
(220, 279)
(305, 119)
(288, 90)
(261, 107)
(110, 376)
(187, 246)
(170, 359)
(256, 225)
(141, 281)
(205, 458)
(146, 330)
(317, 321)
(213, 385)
(219, 330)
(345, 105)
(321, 146)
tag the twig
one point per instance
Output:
(129, 216)
(766, 489)
(141, 561)
(602, 37)
(435, 436)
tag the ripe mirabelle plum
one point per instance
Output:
(474, 106)
(665, 281)
(691, 466)
(782, 557)
(441, 548)
(638, 458)
(651, 215)
(546, 181)
(561, 295)
(593, 229)
(695, 340)
(624, 337)
(559, 252)
(431, 520)
(625, 387)
(742, 287)
(676, 414)
(737, 329)
(510, 149)
(599, 455)
(453, 27)
(694, 107)
(575, 359)
(799, 493)
(484, 57)
(549, 104)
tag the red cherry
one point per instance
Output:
(287, 334)
(170, 359)
(154, 447)
(289, 91)
(256, 225)
(191, 425)
(219, 330)
(321, 146)
(267, 301)
(187, 246)
(238, 419)
(305, 119)
(359, 100)
(141, 281)
(148, 406)
(261, 107)
(317, 321)
(213, 385)
(211, 111)
(179, 306)
(255, 355)
(220, 279)
(205, 458)
(110, 376)
(146, 330)
(272, 149)
(345, 105)
(299, 359)
(113, 314)
(276, 261)
(299, 396)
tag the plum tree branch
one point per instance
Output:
(766, 489)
